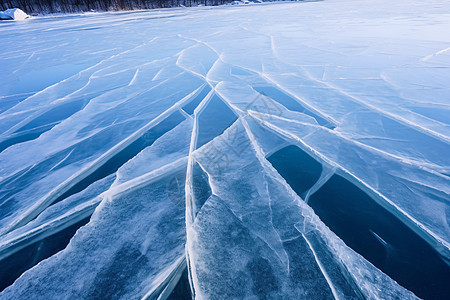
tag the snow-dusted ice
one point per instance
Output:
(275, 151)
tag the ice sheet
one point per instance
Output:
(142, 254)
(254, 238)
(182, 108)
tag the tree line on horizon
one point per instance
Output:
(69, 6)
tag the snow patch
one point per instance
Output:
(13, 14)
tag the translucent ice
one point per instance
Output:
(290, 150)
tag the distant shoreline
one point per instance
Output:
(38, 8)
(44, 14)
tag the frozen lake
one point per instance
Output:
(295, 150)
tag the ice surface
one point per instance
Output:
(268, 236)
(56, 218)
(209, 140)
(49, 233)
(118, 242)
